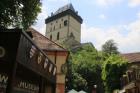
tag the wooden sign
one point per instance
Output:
(20, 85)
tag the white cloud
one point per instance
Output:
(134, 3)
(128, 42)
(40, 29)
(40, 25)
(138, 14)
(108, 2)
(102, 16)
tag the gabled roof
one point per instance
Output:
(132, 57)
(44, 43)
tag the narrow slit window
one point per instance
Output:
(50, 29)
(54, 28)
(58, 36)
(60, 25)
(50, 37)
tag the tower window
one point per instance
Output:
(58, 36)
(50, 29)
(50, 37)
(65, 23)
(56, 21)
(62, 19)
(60, 25)
(54, 28)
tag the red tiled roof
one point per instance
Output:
(132, 57)
(44, 43)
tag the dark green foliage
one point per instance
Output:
(109, 48)
(79, 83)
(90, 67)
(87, 66)
(113, 68)
(18, 13)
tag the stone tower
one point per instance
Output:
(64, 24)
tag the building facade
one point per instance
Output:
(24, 67)
(63, 24)
(57, 54)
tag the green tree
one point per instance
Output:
(87, 64)
(110, 47)
(114, 67)
(79, 83)
(19, 13)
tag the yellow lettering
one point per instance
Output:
(29, 86)
(21, 84)
(3, 78)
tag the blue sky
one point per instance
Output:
(102, 20)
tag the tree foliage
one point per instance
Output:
(19, 13)
(91, 67)
(110, 47)
(113, 68)
(79, 82)
(87, 64)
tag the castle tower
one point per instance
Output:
(64, 24)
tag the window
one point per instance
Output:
(50, 37)
(54, 28)
(56, 21)
(65, 23)
(62, 19)
(50, 29)
(60, 25)
(51, 23)
(58, 36)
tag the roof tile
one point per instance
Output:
(132, 57)
(45, 43)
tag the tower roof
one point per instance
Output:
(63, 11)
(64, 8)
